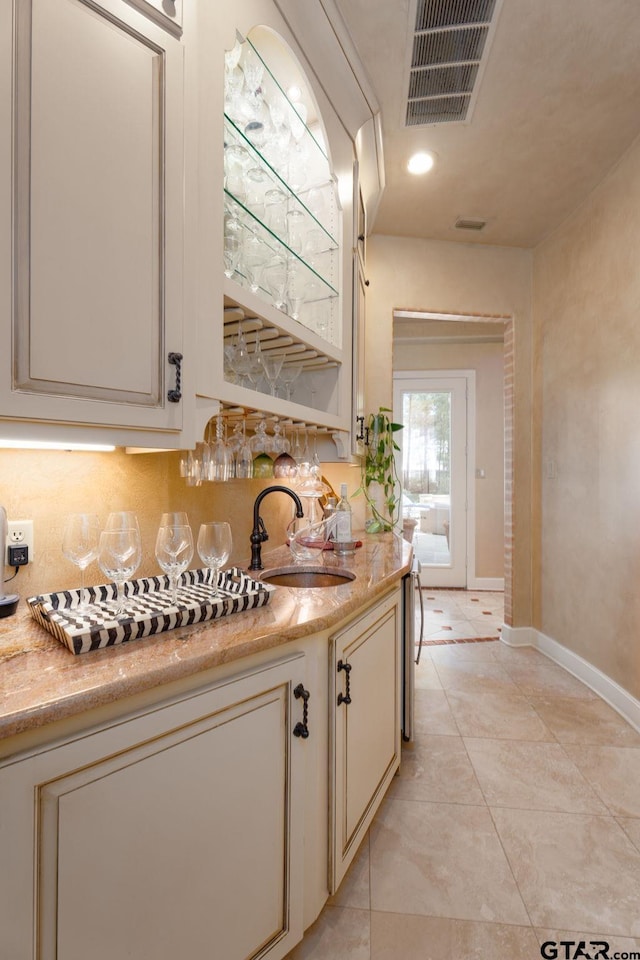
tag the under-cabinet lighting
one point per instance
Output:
(54, 445)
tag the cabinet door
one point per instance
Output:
(94, 191)
(366, 726)
(176, 835)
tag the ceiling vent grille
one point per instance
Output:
(449, 41)
(466, 223)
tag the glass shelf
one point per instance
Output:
(282, 217)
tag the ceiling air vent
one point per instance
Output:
(449, 41)
(464, 223)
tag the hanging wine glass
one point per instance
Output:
(80, 546)
(260, 446)
(284, 466)
(244, 457)
(220, 454)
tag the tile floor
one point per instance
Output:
(462, 614)
(514, 820)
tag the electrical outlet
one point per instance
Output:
(20, 533)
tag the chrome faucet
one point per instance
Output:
(259, 533)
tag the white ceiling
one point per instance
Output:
(558, 104)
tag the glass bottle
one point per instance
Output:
(343, 537)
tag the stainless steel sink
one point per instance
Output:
(306, 577)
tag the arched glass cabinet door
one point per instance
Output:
(282, 219)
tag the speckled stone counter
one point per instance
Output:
(41, 681)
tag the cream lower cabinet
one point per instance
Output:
(176, 833)
(365, 693)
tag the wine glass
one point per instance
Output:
(176, 519)
(80, 546)
(288, 375)
(272, 366)
(214, 549)
(174, 551)
(119, 555)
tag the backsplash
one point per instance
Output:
(46, 486)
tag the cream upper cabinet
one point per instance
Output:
(277, 224)
(176, 833)
(91, 199)
(365, 726)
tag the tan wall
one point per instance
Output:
(463, 278)
(47, 486)
(586, 307)
(487, 359)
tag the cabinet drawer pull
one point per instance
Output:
(345, 698)
(175, 396)
(301, 728)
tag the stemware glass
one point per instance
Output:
(288, 376)
(221, 459)
(272, 365)
(214, 548)
(122, 520)
(232, 251)
(254, 259)
(174, 552)
(119, 555)
(80, 546)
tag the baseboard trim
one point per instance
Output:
(611, 692)
(485, 583)
(517, 636)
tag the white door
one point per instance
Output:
(434, 470)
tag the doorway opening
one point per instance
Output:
(435, 345)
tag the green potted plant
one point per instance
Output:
(380, 482)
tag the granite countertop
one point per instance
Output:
(42, 681)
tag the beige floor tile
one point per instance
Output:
(432, 714)
(531, 776)
(620, 945)
(354, 891)
(398, 937)
(477, 677)
(436, 768)
(614, 773)
(574, 872)
(339, 932)
(439, 859)
(546, 680)
(451, 629)
(585, 721)
(518, 655)
(455, 652)
(426, 677)
(496, 715)
(631, 828)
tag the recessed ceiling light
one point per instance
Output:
(420, 163)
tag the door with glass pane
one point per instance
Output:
(433, 469)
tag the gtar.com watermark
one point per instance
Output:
(584, 950)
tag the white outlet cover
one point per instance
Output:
(21, 532)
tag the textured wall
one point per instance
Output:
(586, 308)
(463, 278)
(47, 486)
